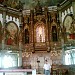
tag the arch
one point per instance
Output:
(54, 32)
(68, 17)
(69, 25)
(26, 34)
(39, 32)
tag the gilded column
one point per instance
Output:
(60, 25)
(46, 17)
(47, 36)
(31, 29)
(60, 35)
(32, 32)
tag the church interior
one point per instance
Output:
(32, 31)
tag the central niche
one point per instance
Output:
(54, 33)
(39, 32)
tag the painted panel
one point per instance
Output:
(11, 33)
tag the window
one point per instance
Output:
(70, 57)
(8, 60)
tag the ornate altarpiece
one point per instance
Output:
(41, 30)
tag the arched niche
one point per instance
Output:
(39, 32)
(26, 34)
(54, 32)
(11, 35)
(69, 24)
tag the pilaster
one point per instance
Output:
(3, 28)
(73, 6)
(32, 32)
(20, 39)
(47, 30)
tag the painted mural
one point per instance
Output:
(11, 33)
(69, 25)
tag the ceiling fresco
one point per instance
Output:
(43, 2)
(28, 4)
(32, 3)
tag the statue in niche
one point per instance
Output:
(54, 33)
(26, 36)
(40, 38)
(40, 33)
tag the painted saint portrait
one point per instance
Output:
(70, 27)
(11, 33)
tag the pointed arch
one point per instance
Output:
(39, 32)
(26, 34)
(54, 33)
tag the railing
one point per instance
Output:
(59, 71)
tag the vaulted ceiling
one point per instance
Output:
(43, 2)
(28, 4)
(32, 3)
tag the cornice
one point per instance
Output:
(64, 5)
(10, 10)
